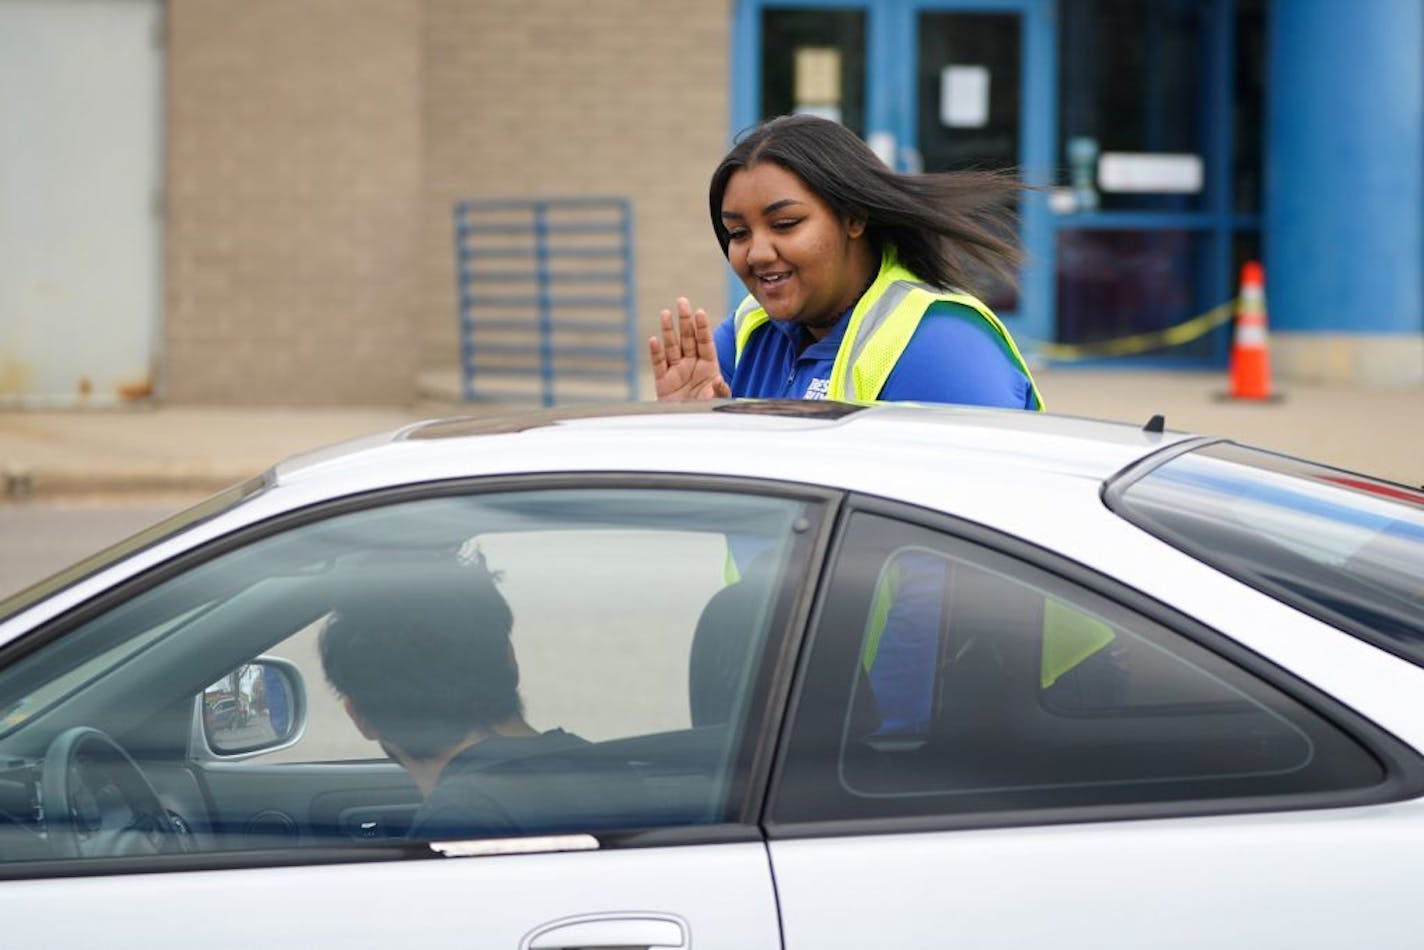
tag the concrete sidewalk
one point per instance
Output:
(167, 448)
(197, 450)
(1378, 432)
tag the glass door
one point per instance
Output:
(812, 60)
(931, 85)
(1138, 120)
(968, 103)
(1159, 142)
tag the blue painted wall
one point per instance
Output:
(1344, 209)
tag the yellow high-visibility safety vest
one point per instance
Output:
(881, 325)
(1069, 635)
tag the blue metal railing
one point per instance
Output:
(545, 292)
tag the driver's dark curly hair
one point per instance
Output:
(424, 655)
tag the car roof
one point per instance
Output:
(1035, 474)
(790, 439)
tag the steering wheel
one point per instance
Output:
(98, 803)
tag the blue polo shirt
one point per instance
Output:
(952, 357)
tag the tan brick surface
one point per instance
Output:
(577, 97)
(316, 148)
(294, 172)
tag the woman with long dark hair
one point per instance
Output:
(859, 278)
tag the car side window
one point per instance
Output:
(469, 665)
(950, 680)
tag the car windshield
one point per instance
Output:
(211, 507)
(1342, 547)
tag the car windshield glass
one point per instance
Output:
(211, 507)
(14, 713)
(1342, 547)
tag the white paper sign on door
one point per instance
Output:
(1150, 172)
(964, 97)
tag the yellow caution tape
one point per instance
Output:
(1184, 332)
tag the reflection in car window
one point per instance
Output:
(580, 659)
(1343, 547)
(29, 702)
(1035, 694)
(208, 508)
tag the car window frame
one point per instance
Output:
(762, 723)
(1403, 766)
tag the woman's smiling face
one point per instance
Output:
(801, 260)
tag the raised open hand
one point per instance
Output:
(684, 361)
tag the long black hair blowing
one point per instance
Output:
(949, 228)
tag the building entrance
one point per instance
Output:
(1137, 120)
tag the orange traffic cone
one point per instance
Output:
(1250, 355)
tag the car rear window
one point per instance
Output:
(1345, 548)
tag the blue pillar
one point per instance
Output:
(1344, 209)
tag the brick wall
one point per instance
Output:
(561, 97)
(315, 148)
(293, 227)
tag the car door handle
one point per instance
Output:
(653, 931)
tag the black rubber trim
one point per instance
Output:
(212, 861)
(801, 660)
(299, 856)
(678, 836)
(774, 690)
(1402, 764)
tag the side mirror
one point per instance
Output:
(259, 707)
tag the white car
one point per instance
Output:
(829, 676)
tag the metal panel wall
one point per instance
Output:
(81, 92)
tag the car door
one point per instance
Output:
(1061, 761)
(646, 621)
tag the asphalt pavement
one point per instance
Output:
(189, 449)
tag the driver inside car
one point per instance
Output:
(423, 663)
